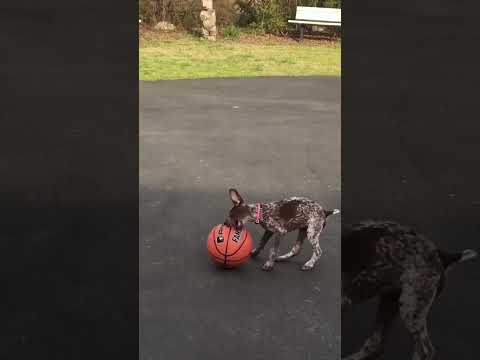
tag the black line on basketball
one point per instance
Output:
(240, 245)
(215, 241)
(226, 249)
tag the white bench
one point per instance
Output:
(307, 15)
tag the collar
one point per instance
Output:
(258, 213)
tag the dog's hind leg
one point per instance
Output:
(302, 234)
(386, 313)
(263, 241)
(314, 230)
(418, 293)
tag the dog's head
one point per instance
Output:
(240, 213)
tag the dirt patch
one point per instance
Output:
(309, 40)
(148, 36)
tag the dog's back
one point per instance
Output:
(404, 269)
(376, 255)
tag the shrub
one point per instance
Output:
(261, 16)
(146, 11)
(332, 3)
(225, 11)
(264, 16)
(183, 13)
(271, 16)
(231, 32)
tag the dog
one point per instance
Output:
(405, 270)
(278, 218)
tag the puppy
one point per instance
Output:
(278, 218)
(405, 270)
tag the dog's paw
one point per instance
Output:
(254, 252)
(268, 266)
(284, 257)
(307, 267)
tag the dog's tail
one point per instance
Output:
(331, 212)
(449, 259)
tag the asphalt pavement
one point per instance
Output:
(270, 138)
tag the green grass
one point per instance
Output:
(187, 57)
(231, 32)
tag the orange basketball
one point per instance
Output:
(229, 247)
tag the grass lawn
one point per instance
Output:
(182, 56)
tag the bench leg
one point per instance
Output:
(301, 32)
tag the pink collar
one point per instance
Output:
(258, 213)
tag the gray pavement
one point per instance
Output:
(269, 138)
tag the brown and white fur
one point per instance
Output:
(278, 218)
(405, 270)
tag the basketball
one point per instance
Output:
(228, 247)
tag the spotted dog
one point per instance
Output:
(279, 218)
(405, 270)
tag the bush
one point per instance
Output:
(231, 32)
(332, 3)
(271, 16)
(262, 16)
(225, 12)
(321, 3)
(146, 11)
(182, 13)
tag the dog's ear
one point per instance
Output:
(235, 196)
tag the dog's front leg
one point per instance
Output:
(386, 313)
(268, 266)
(263, 241)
